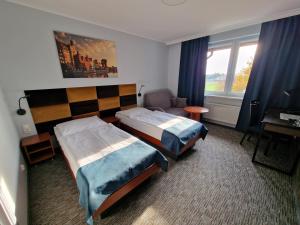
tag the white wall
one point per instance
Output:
(223, 110)
(13, 180)
(173, 67)
(29, 60)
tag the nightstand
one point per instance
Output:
(111, 119)
(38, 148)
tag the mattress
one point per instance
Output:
(88, 145)
(67, 152)
(141, 126)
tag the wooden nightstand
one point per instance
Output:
(38, 148)
(111, 119)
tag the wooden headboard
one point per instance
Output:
(52, 106)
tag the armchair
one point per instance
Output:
(162, 100)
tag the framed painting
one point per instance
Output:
(85, 57)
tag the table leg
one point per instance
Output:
(256, 147)
(296, 158)
(195, 116)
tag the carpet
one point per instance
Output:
(216, 183)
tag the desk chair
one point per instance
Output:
(279, 130)
(255, 125)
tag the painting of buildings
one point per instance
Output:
(84, 57)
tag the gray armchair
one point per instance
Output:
(163, 100)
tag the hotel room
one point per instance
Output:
(140, 112)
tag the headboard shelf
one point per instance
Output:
(52, 106)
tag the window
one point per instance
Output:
(216, 69)
(243, 67)
(228, 67)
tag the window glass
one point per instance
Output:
(216, 69)
(243, 67)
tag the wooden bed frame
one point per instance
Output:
(123, 190)
(158, 143)
(50, 107)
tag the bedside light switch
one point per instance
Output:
(26, 129)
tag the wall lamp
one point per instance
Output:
(21, 111)
(139, 94)
(294, 91)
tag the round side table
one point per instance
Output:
(195, 112)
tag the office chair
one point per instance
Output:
(254, 125)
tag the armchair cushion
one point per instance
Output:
(179, 102)
(177, 112)
(159, 98)
(163, 100)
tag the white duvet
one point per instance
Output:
(91, 143)
(150, 122)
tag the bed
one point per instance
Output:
(105, 161)
(173, 134)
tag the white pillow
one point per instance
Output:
(74, 126)
(133, 112)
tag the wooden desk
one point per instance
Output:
(195, 112)
(273, 123)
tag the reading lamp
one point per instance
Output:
(21, 111)
(139, 94)
(292, 91)
(289, 93)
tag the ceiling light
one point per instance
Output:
(173, 2)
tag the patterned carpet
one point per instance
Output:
(214, 184)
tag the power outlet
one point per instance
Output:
(26, 129)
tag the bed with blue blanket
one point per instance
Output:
(173, 134)
(106, 162)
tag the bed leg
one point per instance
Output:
(103, 215)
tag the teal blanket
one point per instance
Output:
(176, 136)
(99, 179)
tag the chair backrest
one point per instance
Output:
(254, 107)
(158, 98)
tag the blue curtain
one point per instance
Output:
(276, 68)
(192, 70)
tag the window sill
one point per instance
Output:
(223, 100)
(225, 96)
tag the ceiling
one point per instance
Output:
(170, 24)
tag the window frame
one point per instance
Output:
(234, 44)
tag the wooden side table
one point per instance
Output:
(195, 112)
(38, 148)
(112, 119)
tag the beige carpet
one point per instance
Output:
(215, 184)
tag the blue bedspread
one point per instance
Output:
(97, 180)
(176, 136)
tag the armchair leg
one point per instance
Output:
(243, 138)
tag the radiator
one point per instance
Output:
(222, 114)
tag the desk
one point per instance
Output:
(273, 123)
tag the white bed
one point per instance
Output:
(106, 162)
(150, 122)
(95, 136)
(172, 134)
(149, 129)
